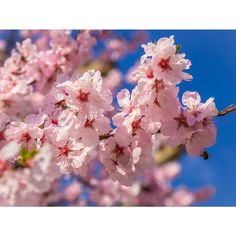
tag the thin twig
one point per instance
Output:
(227, 110)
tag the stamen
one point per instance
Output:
(164, 64)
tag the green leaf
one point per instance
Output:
(178, 46)
(26, 155)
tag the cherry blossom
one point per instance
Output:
(165, 61)
(62, 117)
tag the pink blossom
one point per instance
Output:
(113, 79)
(166, 63)
(71, 156)
(23, 133)
(87, 94)
(43, 170)
(182, 197)
(116, 48)
(198, 111)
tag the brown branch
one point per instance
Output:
(227, 110)
(85, 182)
(105, 136)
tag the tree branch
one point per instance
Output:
(85, 182)
(227, 110)
(105, 136)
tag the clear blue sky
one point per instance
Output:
(213, 57)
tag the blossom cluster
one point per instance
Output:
(153, 112)
(153, 190)
(56, 120)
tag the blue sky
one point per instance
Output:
(213, 57)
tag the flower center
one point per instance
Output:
(164, 64)
(54, 121)
(83, 97)
(135, 126)
(158, 85)
(205, 122)
(64, 151)
(61, 103)
(182, 121)
(118, 150)
(25, 137)
(115, 162)
(150, 74)
(89, 123)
